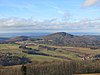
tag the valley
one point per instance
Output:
(50, 51)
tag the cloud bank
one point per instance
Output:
(30, 25)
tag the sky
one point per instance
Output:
(49, 16)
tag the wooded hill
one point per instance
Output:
(65, 39)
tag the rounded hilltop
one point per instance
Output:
(63, 34)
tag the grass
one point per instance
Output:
(88, 74)
(14, 48)
(42, 58)
(49, 65)
(88, 51)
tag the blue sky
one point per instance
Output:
(49, 15)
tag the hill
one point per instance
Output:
(18, 38)
(96, 37)
(58, 35)
(3, 39)
(65, 39)
(62, 39)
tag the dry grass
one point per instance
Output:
(88, 74)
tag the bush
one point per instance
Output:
(57, 68)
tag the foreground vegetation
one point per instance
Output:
(53, 68)
(62, 61)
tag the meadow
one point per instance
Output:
(62, 61)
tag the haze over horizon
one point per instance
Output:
(18, 16)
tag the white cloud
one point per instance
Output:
(22, 25)
(88, 3)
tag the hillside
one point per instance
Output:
(3, 39)
(62, 38)
(97, 37)
(18, 38)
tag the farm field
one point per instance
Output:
(73, 53)
(13, 48)
(62, 56)
(89, 74)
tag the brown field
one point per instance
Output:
(55, 64)
(88, 74)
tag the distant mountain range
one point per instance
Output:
(3, 39)
(18, 38)
(36, 34)
(30, 34)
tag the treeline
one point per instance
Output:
(75, 42)
(9, 59)
(55, 68)
(65, 39)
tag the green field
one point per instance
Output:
(70, 52)
(56, 61)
